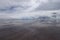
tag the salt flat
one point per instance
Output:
(23, 30)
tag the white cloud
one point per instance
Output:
(27, 14)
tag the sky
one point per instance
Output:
(27, 8)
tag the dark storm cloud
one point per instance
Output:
(11, 8)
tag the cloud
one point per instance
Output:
(28, 5)
(26, 8)
(12, 8)
(17, 15)
(50, 5)
(21, 5)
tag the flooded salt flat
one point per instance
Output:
(28, 30)
(26, 22)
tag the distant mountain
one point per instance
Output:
(27, 18)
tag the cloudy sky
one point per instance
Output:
(27, 8)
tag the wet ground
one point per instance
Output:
(24, 32)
